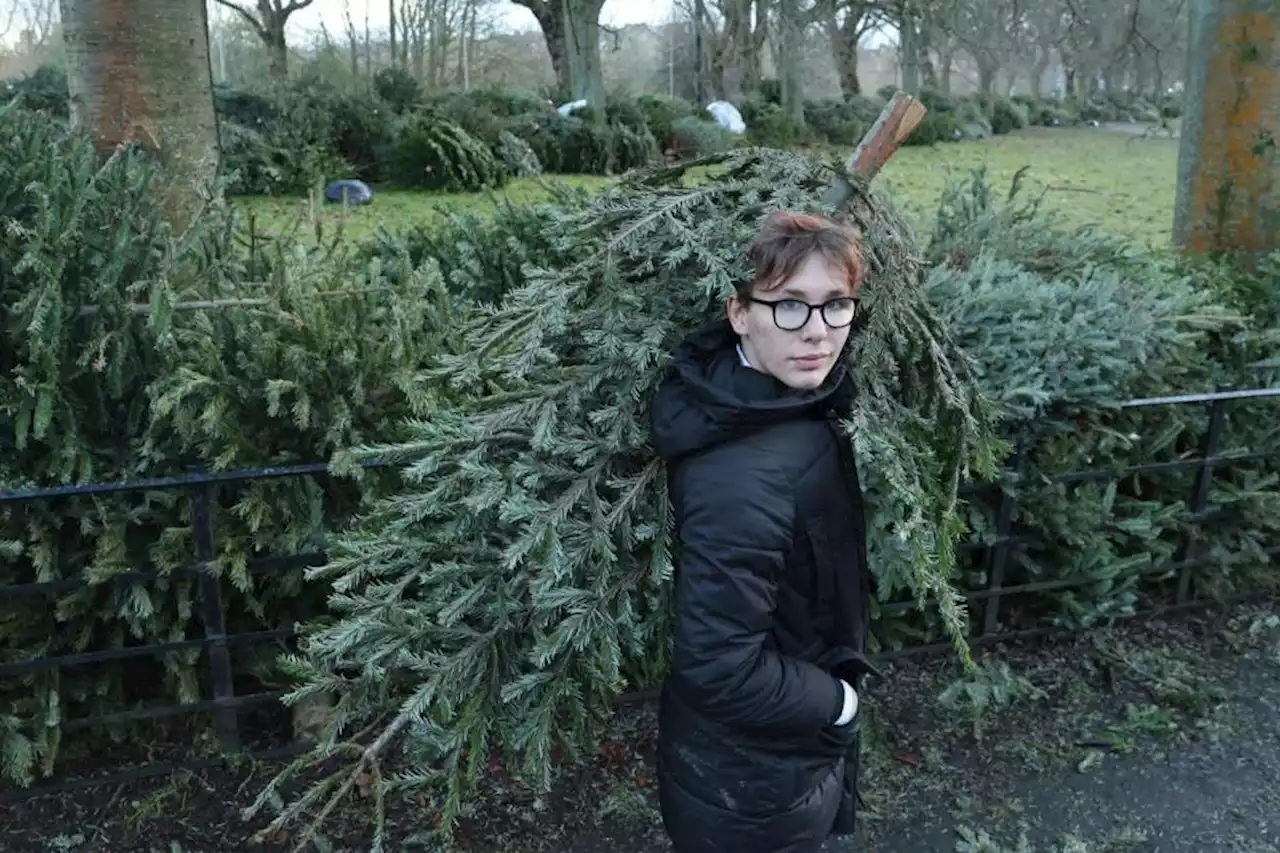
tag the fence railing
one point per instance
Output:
(225, 704)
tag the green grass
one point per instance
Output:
(1123, 184)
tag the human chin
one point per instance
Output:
(803, 377)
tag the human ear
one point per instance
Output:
(737, 313)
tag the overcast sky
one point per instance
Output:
(330, 12)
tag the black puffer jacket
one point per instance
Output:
(771, 605)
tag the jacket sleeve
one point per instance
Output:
(735, 531)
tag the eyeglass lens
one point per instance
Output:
(792, 314)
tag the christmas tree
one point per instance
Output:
(518, 581)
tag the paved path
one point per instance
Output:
(1220, 795)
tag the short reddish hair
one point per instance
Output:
(788, 239)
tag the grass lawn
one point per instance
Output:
(1092, 176)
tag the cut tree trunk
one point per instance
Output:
(896, 121)
(138, 72)
(1228, 198)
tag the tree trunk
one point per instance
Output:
(909, 54)
(790, 48)
(753, 63)
(1228, 196)
(1038, 71)
(278, 49)
(734, 56)
(571, 29)
(138, 72)
(844, 51)
(391, 32)
(946, 69)
(987, 71)
(924, 55)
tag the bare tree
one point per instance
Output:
(269, 20)
(735, 32)
(38, 20)
(138, 72)
(991, 32)
(845, 22)
(1046, 26)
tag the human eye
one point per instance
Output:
(839, 312)
(792, 308)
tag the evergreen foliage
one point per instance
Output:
(130, 352)
(518, 583)
(517, 156)
(1063, 324)
(483, 256)
(435, 154)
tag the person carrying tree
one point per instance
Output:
(759, 714)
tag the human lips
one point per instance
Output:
(810, 362)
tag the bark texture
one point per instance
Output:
(1228, 168)
(138, 72)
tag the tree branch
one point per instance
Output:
(537, 7)
(249, 16)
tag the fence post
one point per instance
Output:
(1199, 498)
(998, 553)
(215, 624)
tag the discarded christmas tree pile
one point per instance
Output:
(518, 583)
(128, 352)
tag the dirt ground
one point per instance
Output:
(1160, 735)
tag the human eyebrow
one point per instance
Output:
(804, 297)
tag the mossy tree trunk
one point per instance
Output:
(1229, 169)
(138, 72)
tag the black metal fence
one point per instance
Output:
(225, 705)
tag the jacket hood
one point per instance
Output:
(712, 398)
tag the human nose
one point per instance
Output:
(815, 328)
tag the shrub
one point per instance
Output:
(284, 162)
(360, 132)
(1048, 113)
(768, 125)
(251, 109)
(936, 127)
(573, 145)
(435, 154)
(695, 137)
(43, 90)
(1007, 116)
(661, 113)
(398, 89)
(1099, 111)
(835, 121)
(291, 136)
(1171, 106)
(516, 155)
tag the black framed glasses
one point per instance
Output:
(791, 314)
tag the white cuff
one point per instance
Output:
(850, 704)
